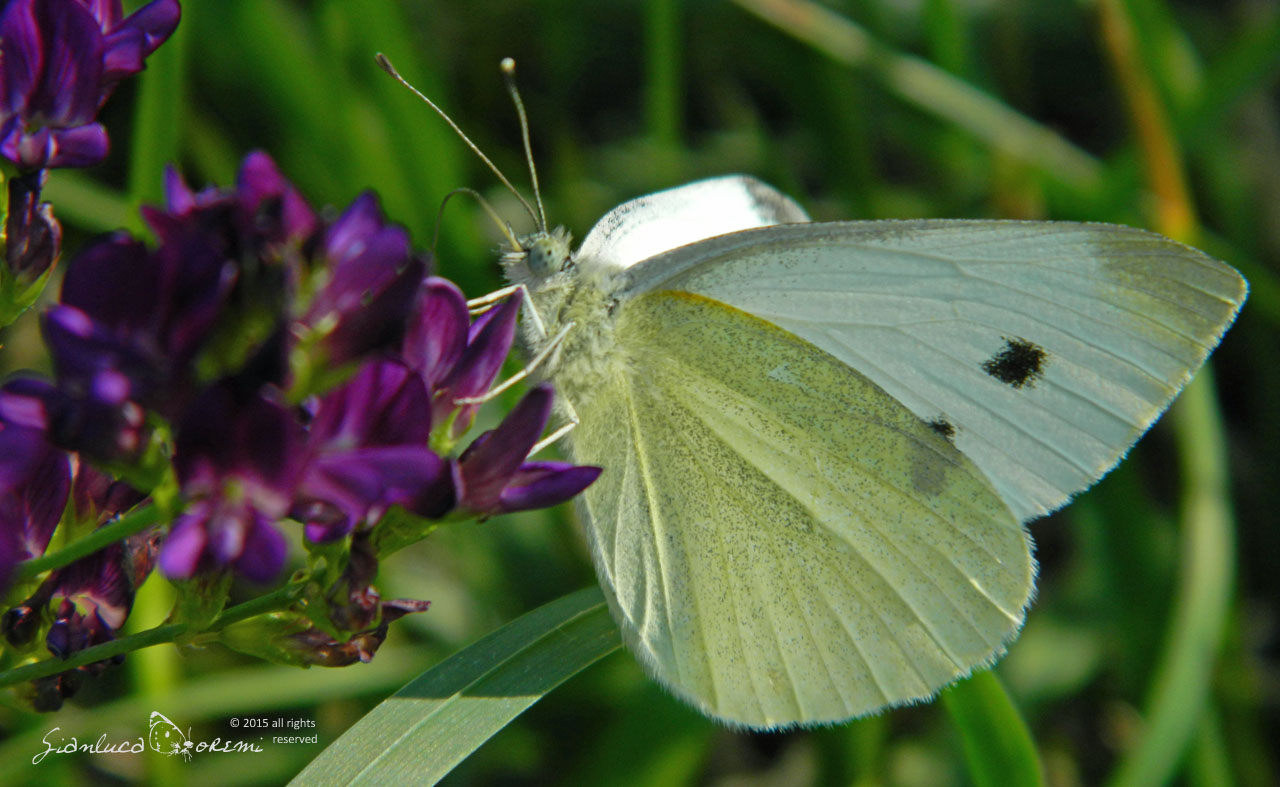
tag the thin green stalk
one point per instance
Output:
(278, 599)
(43, 669)
(158, 119)
(1210, 758)
(1179, 693)
(1180, 690)
(662, 65)
(134, 522)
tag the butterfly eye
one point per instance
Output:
(546, 255)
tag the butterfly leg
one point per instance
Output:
(529, 368)
(572, 415)
(478, 306)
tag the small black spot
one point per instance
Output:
(943, 427)
(1019, 364)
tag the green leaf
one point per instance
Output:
(997, 744)
(422, 731)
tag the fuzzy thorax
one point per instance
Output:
(562, 292)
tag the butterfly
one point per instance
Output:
(822, 442)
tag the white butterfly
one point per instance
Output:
(822, 442)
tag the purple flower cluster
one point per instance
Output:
(61, 60)
(262, 362)
(88, 600)
(273, 364)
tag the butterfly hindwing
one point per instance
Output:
(781, 541)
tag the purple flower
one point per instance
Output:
(373, 280)
(33, 237)
(93, 596)
(495, 478)
(238, 458)
(367, 452)
(59, 60)
(129, 324)
(89, 601)
(129, 41)
(97, 497)
(278, 210)
(98, 427)
(290, 638)
(453, 367)
(264, 210)
(35, 481)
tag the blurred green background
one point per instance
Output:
(1156, 618)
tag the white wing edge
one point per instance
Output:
(647, 226)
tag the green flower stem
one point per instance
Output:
(134, 522)
(43, 669)
(169, 632)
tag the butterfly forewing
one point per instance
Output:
(1043, 349)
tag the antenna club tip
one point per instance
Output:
(384, 62)
(508, 65)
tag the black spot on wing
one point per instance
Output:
(943, 427)
(1019, 364)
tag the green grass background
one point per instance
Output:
(1150, 654)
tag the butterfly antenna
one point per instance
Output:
(508, 66)
(503, 227)
(390, 69)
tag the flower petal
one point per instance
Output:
(544, 484)
(255, 441)
(490, 462)
(144, 30)
(33, 235)
(35, 482)
(491, 337)
(437, 334)
(115, 281)
(261, 187)
(383, 404)
(264, 552)
(67, 93)
(21, 53)
(182, 550)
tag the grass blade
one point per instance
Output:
(997, 744)
(422, 731)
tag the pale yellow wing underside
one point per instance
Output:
(781, 541)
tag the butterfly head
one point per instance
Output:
(539, 256)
